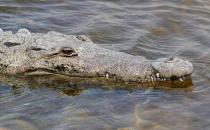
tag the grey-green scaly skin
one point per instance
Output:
(76, 55)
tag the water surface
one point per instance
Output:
(153, 28)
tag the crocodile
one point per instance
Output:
(30, 53)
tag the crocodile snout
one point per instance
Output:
(172, 67)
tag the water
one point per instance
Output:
(153, 28)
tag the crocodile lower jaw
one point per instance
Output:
(153, 78)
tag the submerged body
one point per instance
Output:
(26, 52)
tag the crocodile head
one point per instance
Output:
(26, 52)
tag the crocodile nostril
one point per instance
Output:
(171, 59)
(80, 38)
(11, 44)
(67, 51)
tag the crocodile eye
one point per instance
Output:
(68, 52)
(11, 44)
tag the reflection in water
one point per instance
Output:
(73, 86)
(152, 28)
(89, 97)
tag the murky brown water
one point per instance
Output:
(153, 28)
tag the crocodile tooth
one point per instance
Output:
(164, 78)
(152, 78)
(157, 75)
(180, 79)
(107, 75)
(145, 80)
